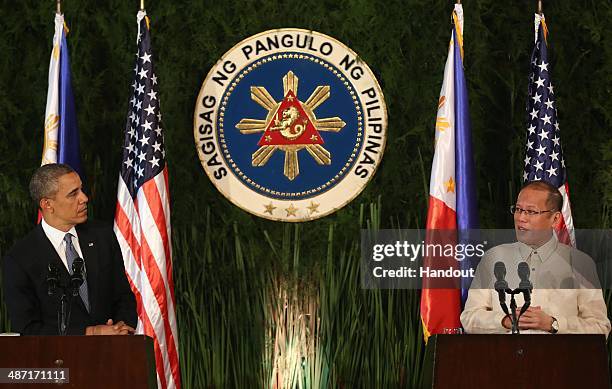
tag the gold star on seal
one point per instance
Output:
(291, 211)
(450, 185)
(268, 138)
(269, 208)
(313, 207)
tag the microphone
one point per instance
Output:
(525, 285)
(77, 277)
(523, 273)
(499, 270)
(52, 277)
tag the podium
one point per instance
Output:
(93, 361)
(516, 361)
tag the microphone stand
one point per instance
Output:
(513, 306)
(515, 327)
(63, 315)
(54, 287)
(65, 308)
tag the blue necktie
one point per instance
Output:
(71, 255)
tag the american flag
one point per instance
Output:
(543, 153)
(142, 216)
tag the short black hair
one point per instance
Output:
(554, 200)
(44, 181)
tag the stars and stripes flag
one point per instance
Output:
(142, 215)
(452, 196)
(61, 144)
(543, 152)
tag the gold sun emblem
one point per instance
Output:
(290, 126)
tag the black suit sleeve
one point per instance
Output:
(22, 303)
(124, 303)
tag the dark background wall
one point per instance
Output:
(404, 43)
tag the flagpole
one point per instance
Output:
(142, 5)
(58, 10)
(540, 7)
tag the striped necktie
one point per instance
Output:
(71, 255)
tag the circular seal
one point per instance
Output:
(290, 125)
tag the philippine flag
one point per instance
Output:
(452, 194)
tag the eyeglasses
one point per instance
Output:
(529, 212)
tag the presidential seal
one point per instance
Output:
(290, 125)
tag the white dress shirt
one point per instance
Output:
(565, 287)
(57, 240)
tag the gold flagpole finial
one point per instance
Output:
(540, 7)
(142, 5)
(58, 7)
(458, 1)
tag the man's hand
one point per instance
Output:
(535, 318)
(123, 328)
(507, 322)
(109, 328)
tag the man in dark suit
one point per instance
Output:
(105, 304)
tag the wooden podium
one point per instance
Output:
(93, 361)
(516, 361)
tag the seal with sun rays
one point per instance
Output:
(290, 125)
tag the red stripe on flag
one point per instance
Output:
(169, 254)
(153, 271)
(440, 308)
(148, 329)
(562, 232)
(440, 216)
(130, 277)
(565, 232)
(159, 360)
(151, 192)
(155, 205)
(157, 284)
(124, 225)
(140, 308)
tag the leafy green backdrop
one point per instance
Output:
(229, 264)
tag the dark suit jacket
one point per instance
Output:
(33, 312)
